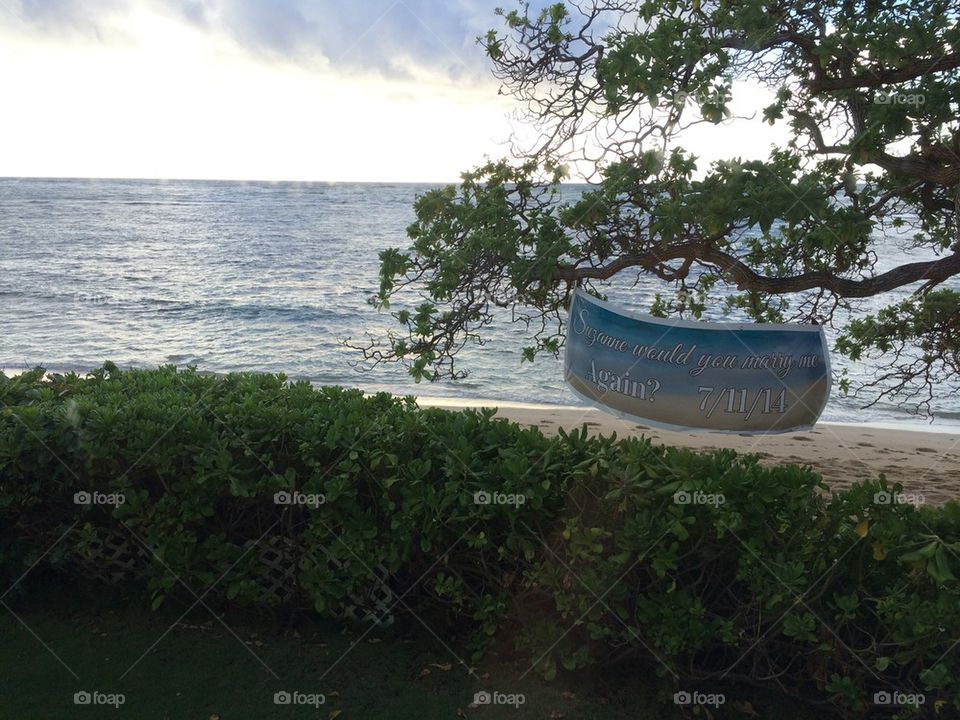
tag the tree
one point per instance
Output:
(868, 94)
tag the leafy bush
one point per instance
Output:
(849, 594)
(590, 549)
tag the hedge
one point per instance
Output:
(567, 551)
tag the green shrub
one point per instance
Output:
(760, 577)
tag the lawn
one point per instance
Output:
(198, 668)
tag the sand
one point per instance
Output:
(926, 463)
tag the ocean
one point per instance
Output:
(261, 276)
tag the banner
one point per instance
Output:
(689, 375)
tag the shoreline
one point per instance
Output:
(455, 403)
(926, 463)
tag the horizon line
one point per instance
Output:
(113, 178)
(108, 178)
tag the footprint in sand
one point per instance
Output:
(592, 424)
(641, 427)
(865, 444)
(926, 450)
(804, 438)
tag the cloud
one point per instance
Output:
(62, 16)
(387, 36)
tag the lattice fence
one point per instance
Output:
(376, 604)
(114, 555)
(276, 570)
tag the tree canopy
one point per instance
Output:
(868, 95)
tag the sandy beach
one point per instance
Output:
(926, 463)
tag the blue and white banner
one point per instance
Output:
(688, 375)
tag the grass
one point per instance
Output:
(198, 668)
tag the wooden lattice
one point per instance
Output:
(277, 582)
(112, 556)
(376, 604)
(276, 573)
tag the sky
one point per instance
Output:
(336, 90)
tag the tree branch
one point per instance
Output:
(932, 271)
(877, 78)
